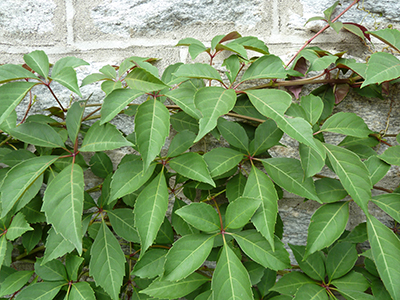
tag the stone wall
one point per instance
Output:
(107, 31)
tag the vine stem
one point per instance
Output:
(321, 31)
(55, 97)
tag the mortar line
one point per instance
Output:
(70, 12)
(275, 17)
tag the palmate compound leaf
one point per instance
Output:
(381, 67)
(348, 124)
(288, 173)
(102, 138)
(107, 263)
(212, 102)
(152, 128)
(255, 246)
(63, 204)
(326, 225)
(11, 95)
(273, 104)
(174, 289)
(385, 246)
(151, 206)
(353, 174)
(230, 280)
(115, 102)
(187, 255)
(261, 188)
(193, 166)
(20, 178)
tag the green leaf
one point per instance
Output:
(233, 65)
(180, 226)
(174, 290)
(381, 67)
(313, 107)
(122, 221)
(65, 62)
(266, 136)
(221, 160)
(17, 227)
(233, 47)
(151, 264)
(72, 264)
(389, 36)
(230, 279)
(356, 295)
(311, 160)
(291, 282)
(152, 128)
(184, 97)
(108, 86)
(389, 203)
(37, 134)
(329, 190)
(129, 177)
(187, 255)
(212, 102)
(181, 142)
(326, 225)
(101, 165)
(81, 290)
(312, 292)
(244, 107)
(234, 134)
(379, 290)
(352, 281)
(151, 206)
(358, 234)
(107, 263)
(116, 101)
(260, 187)
(31, 238)
(341, 259)
(56, 246)
(258, 249)
(193, 166)
(11, 95)
(10, 72)
(63, 204)
(287, 173)
(20, 178)
(313, 266)
(256, 271)
(182, 121)
(39, 62)
(3, 248)
(385, 247)
(198, 70)
(14, 282)
(235, 187)
(67, 77)
(239, 212)
(252, 43)
(273, 104)
(195, 46)
(346, 123)
(377, 169)
(102, 138)
(267, 66)
(201, 216)
(142, 80)
(53, 270)
(353, 174)
(391, 155)
(74, 118)
(41, 291)
(94, 78)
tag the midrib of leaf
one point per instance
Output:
(38, 139)
(238, 140)
(192, 170)
(385, 71)
(154, 206)
(39, 66)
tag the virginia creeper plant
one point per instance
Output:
(222, 239)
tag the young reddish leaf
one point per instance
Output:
(357, 29)
(341, 91)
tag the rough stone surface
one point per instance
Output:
(151, 16)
